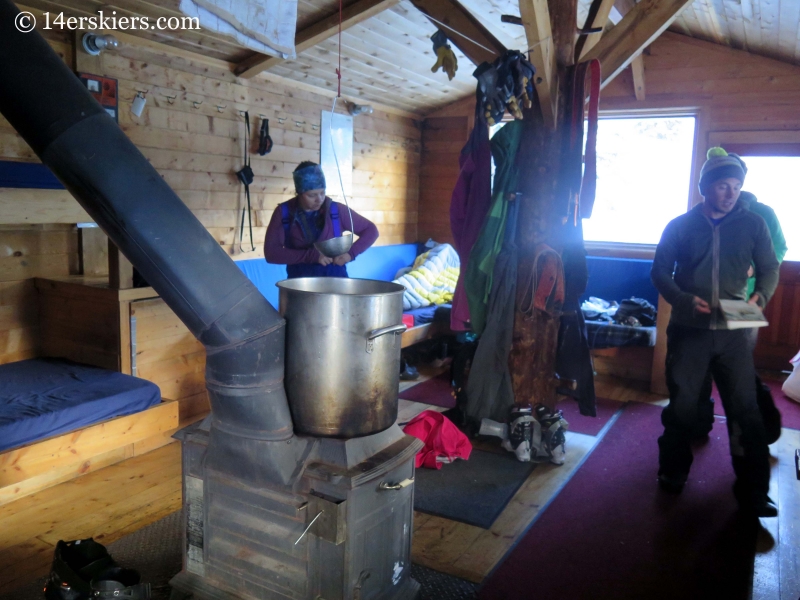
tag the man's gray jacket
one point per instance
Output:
(697, 258)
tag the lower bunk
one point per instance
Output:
(60, 419)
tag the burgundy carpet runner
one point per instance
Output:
(789, 409)
(436, 391)
(612, 534)
(588, 425)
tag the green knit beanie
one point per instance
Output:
(719, 165)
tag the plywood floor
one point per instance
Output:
(122, 498)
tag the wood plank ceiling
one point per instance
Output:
(386, 59)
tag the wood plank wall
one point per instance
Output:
(170, 356)
(28, 251)
(442, 141)
(192, 132)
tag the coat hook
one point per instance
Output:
(220, 107)
(171, 99)
(196, 104)
(314, 126)
(262, 116)
(241, 112)
(281, 120)
(299, 123)
(142, 92)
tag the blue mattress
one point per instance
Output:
(43, 397)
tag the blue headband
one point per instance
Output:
(309, 178)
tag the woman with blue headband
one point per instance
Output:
(313, 217)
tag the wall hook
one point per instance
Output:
(264, 117)
(142, 92)
(299, 123)
(171, 99)
(314, 126)
(241, 112)
(281, 120)
(221, 107)
(196, 104)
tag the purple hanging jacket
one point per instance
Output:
(469, 205)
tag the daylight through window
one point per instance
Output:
(643, 178)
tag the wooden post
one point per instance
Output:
(93, 251)
(120, 270)
(533, 354)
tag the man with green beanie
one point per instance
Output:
(703, 257)
(766, 403)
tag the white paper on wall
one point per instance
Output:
(266, 26)
(336, 132)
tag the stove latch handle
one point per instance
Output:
(396, 486)
(375, 333)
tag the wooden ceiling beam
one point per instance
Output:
(355, 13)
(637, 30)
(601, 17)
(475, 41)
(536, 20)
(637, 68)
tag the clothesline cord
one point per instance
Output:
(469, 39)
(460, 34)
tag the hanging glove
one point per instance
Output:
(444, 55)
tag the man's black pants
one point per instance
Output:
(691, 353)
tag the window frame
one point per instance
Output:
(648, 251)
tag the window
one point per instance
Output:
(644, 169)
(771, 179)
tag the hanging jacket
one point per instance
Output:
(469, 204)
(489, 390)
(480, 268)
(752, 204)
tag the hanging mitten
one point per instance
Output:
(444, 55)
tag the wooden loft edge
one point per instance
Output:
(39, 465)
(90, 288)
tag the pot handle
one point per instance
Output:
(375, 333)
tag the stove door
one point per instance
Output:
(374, 561)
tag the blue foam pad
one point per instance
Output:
(43, 397)
(619, 279)
(27, 175)
(377, 262)
(264, 276)
(382, 262)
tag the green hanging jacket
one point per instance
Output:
(478, 279)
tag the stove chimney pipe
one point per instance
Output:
(74, 136)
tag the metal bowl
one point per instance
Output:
(335, 246)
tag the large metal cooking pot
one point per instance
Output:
(342, 354)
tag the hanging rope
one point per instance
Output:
(333, 111)
(339, 70)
